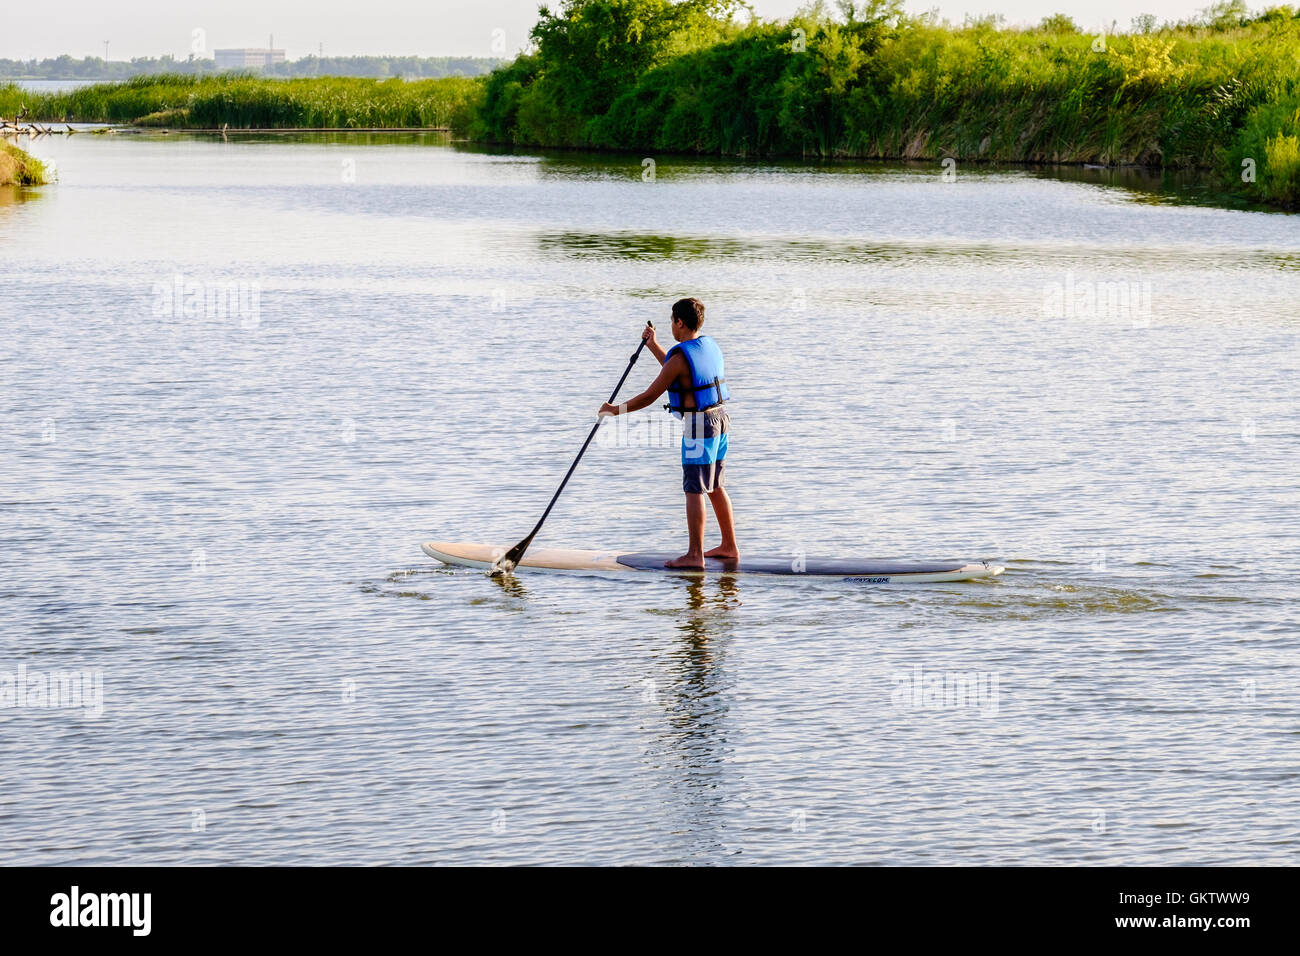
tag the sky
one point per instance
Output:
(411, 27)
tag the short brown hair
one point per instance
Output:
(691, 312)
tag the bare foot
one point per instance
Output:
(726, 554)
(692, 562)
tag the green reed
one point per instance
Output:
(248, 101)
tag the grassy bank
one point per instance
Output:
(650, 75)
(19, 168)
(243, 101)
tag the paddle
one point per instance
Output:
(507, 562)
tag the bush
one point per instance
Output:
(1266, 144)
(1282, 169)
(1058, 23)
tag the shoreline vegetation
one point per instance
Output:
(856, 81)
(1220, 92)
(19, 168)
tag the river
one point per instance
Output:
(245, 380)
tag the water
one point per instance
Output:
(222, 512)
(53, 86)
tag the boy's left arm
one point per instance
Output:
(671, 370)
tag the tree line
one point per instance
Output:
(379, 67)
(866, 80)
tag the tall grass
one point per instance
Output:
(241, 100)
(926, 92)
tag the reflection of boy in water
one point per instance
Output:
(693, 376)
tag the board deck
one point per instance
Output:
(856, 570)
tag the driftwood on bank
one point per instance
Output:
(18, 127)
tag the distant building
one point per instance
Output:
(243, 58)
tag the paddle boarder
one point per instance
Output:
(693, 376)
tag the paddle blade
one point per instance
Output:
(510, 560)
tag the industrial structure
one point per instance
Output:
(244, 58)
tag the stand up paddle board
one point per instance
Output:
(855, 570)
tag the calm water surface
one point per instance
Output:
(216, 499)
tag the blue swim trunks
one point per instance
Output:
(704, 448)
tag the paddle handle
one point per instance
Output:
(517, 552)
(635, 355)
(592, 434)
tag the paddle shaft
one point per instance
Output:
(512, 557)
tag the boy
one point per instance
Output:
(693, 376)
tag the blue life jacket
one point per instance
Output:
(708, 379)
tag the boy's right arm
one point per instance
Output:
(671, 370)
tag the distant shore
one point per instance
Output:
(1221, 93)
(96, 69)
